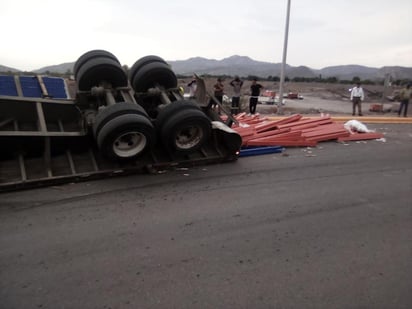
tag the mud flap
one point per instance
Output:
(230, 139)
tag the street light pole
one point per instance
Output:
(282, 69)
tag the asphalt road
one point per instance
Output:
(328, 227)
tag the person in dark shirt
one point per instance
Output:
(255, 92)
(405, 95)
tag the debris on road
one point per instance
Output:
(297, 131)
(354, 126)
(253, 151)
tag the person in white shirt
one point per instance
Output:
(357, 96)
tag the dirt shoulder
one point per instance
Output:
(318, 98)
(312, 104)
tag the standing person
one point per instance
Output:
(192, 88)
(218, 93)
(405, 96)
(255, 92)
(357, 96)
(237, 85)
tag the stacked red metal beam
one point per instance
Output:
(360, 137)
(294, 130)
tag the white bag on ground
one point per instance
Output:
(355, 126)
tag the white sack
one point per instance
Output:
(356, 126)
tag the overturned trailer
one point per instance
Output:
(113, 123)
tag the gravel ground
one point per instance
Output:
(315, 105)
(317, 98)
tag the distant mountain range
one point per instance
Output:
(3, 68)
(245, 66)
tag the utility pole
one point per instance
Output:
(386, 84)
(282, 70)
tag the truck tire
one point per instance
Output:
(170, 109)
(113, 111)
(141, 62)
(91, 55)
(152, 74)
(100, 69)
(186, 131)
(126, 137)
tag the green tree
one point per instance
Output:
(251, 77)
(368, 82)
(356, 79)
(331, 80)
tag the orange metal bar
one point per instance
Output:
(327, 137)
(287, 135)
(301, 122)
(289, 119)
(266, 126)
(303, 143)
(271, 132)
(360, 136)
(311, 125)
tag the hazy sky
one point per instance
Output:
(322, 33)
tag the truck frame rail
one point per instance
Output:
(112, 125)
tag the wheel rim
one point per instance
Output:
(189, 137)
(129, 144)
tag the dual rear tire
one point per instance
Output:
(100, 66)
(151, 71)
(123, 131)
(126, 137)
(96, 67)
(183, 127)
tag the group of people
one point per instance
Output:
(357, 96)
(255, 88)
(236, 84)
